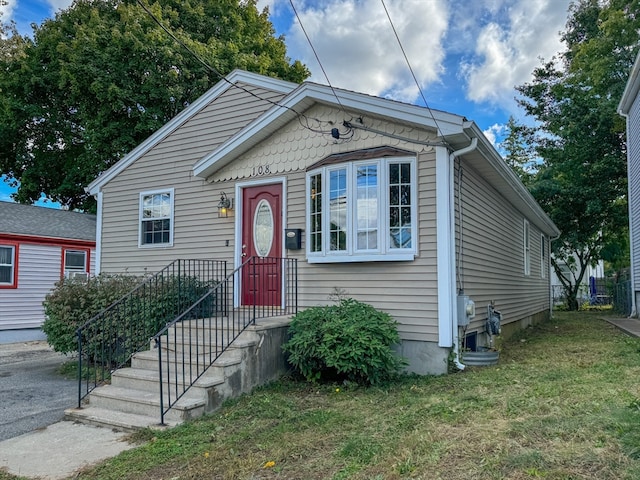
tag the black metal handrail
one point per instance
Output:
(262, 287)
(108, 340)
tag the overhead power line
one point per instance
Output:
(316, 55)
(406, 59)
(221, 76)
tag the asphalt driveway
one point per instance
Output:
(33, 394)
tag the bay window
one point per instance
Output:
(362, 211)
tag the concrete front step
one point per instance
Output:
(126, 422)
(203, 341)
(139, 402)
(148, 359)
(148, 381)
(132, 400)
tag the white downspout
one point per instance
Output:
(98, 254)
(454, 322)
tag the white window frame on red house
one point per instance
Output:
(76, 270)
(11, 265)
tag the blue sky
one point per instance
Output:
(466, 54)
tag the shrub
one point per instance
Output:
(350, 340)
(72, 302)
(123, 330)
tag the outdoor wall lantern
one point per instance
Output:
(224, 205)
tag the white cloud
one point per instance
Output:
(58, 4)
(6, 11)
(509, 46)
(358, 49)
(494, 131)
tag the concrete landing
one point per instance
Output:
(60, 450)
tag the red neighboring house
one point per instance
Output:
(39, 246)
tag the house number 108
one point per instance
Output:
(261, 170)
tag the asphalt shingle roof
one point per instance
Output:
(21, 219)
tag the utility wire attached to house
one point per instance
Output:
(300, 116)
(315, 53)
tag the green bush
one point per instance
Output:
(127, 328)
(350, 340)
(72, 302)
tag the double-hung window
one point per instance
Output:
(75, 263)
(362, 211)
(156, 218)
(8, 266)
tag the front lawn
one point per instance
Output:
(563, 403)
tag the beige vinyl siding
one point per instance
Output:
(38, 271)
(492, 259)
(406, 290)
(198, 233)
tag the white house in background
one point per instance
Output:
(629, 107)
(585, 291)
(38, 247)
(398, 205)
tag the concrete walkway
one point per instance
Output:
(34, 398)
(630, 326)
(58, 451)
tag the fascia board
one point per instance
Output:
(304, 96)
(631, 89)
(218, 89)
(522, 196)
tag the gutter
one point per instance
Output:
(454, 321)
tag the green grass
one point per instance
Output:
(563, 403)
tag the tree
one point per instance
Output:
(581, 181)
(520, 151)
(102, 76)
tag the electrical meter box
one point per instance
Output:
(466, 310)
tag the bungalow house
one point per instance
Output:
(407, 208)
(629, 107)
(38, 247)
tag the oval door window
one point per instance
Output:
(263, 228)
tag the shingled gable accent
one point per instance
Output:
(222, 86)
(306, 95)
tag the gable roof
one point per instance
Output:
(455, 129)
(307, 94)
(631, 89)
(19, 219)
(167, 129)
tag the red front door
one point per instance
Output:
(262, 243)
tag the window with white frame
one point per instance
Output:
(7, 265)
(362, 211)
(543, 256)
(527, 248)
(75, 263)
(156, 218)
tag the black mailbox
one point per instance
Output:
(293, 238)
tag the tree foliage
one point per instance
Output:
(101, 76)
(581, 181)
